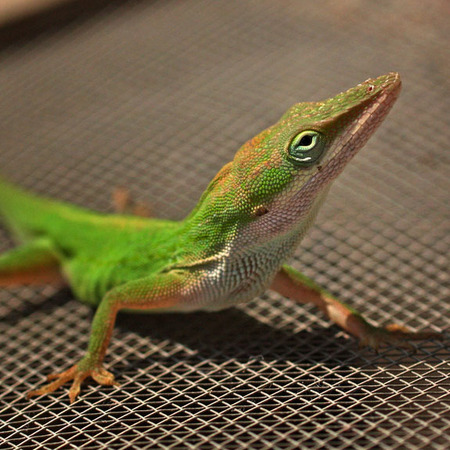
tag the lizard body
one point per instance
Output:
(229, 249)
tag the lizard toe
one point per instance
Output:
(396, 335)
(77, 374)
(103, 377)
(59, 380)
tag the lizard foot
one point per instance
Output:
(394, 334)
(78, 373)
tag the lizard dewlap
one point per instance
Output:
(233, 245)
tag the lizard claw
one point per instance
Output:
(78, 375)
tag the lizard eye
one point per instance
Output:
(306, 148)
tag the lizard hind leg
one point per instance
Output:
(34, 263)
(123, 203)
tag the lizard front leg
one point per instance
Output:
(293, 284)
(155, 292)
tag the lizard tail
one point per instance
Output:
(15, 206)
(29, 216)
(22, 212)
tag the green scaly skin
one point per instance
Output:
(232, 246)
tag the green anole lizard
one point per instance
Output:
(229, 249)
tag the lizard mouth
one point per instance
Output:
(371, 116)
(366, 116)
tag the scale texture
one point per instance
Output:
(157, 96)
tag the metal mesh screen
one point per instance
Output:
(157, 96)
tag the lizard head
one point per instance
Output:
(277, 180)
(284, 172)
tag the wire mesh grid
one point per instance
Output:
(157, 96)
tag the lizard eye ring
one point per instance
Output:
(306, 147)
